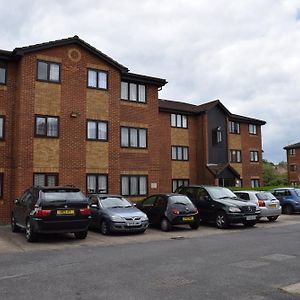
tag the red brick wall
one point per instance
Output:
(293, 176)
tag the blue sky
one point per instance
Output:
(245, 53)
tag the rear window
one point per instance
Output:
(179, 199)
(62, 194)
(263, 196)
(297, 192)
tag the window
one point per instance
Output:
(133, 92)
(176, 183)
(3, 71)
(255, 183)
(293, 167)
(217, 135)
(292, 151)
(97, 79)
(234, 127)
(235, 156)
(46, 126)
(48, 71)
(179, 121)
(1, 184)
(1, 127)
(180, 153)
(134, 185)
(97, 130)
(252, 129)
(45, 179)
(254, 156)
(133, 137)
(97, 183)
(294, 183)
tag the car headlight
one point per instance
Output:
(234, 209)
(117, 218)
(144, 218)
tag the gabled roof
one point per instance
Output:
(217, 169)
(246, 119)
(292, 146)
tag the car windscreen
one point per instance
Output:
(62, 194)
(297, 192)
(266, 196)
(179, 200)
(220, 193)
(115, 202)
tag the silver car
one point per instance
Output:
(268, 204)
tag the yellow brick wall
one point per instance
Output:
(96, 157)
(45, 155)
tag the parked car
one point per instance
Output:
(268, 204)
(167, 210)
(51, 210)
(221, 206)
(112, 213)
(289, 199)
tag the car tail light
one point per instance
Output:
(85, 211)
(261, 203)
(42, 213)
(195, 210)
(175, 211)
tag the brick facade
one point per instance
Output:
(293, 163)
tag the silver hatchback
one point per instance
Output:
(268, 204)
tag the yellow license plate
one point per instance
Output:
(272, 205)
(188, 219)
(63, 212)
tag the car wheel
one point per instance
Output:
(165, 225)
(272, 219)
(249, 223)
(221, 220)
(81, 235)
(287, 209)
(104, 228)
(194, 225)
(31, 236)
(14, 226)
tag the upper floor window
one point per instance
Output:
(133, 137)
(235, 156)
(180, 153)
(1, 127)
(134, 185)
(217, 135)
(97, 130)
(234, 127)
(46, 126)
(176, 183)
(48, 71)
(97, 79)
(293, 167)
(97, 183)
(133, 92)
(1, 184)
(254, 156)
(252, 129)
(45, 179)
(292, 151)
(179, 121)
(3, 70)
(255, 183)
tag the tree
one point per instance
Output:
(271, 177)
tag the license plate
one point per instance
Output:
(272, 205)
(188, 219)
(134, 224)
(64, 212)
(250, 218)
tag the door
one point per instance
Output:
(159, 209)
(94, 207)
(205, 204)
(148, 207)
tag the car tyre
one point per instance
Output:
(249, 223)
(272, 219)
(287, 209)
(104, 227)
(31, 236)
(81, 235)
(14, 226)
(165, 225)
(194, 225)
(221, 220)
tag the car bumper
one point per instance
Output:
(124, 227)
(270, 212)
(296, 207)
(241, 218)
(182, 221)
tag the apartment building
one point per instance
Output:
(293, 163)
(71, 115)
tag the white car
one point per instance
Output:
(268, 204)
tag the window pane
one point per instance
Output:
(133, 92)
(91, 184)
(179, 121)
(124, 90)
(40, 126)
(124, 137)
(2, 75)
(174, 153)
(179, 153)
(102, 80)
(142, 93)
(174, 185)
(52, 128)
(133, 186)
(125, 185)
(133, 137)
(92, 130)
(54, 72)
(173, 120)
(102, 184)
(42, 70)
(184, 121)
(185, 153)
(143, 138)
(92, 78)
(39, 179)
(102, 131)
(143, 185)
(51, 180)
(1, 128)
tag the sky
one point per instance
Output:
(245, 53)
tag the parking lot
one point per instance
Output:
(16, 242)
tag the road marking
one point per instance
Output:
(12, 276)
(278, 257)
(250, 264)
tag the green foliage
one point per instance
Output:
(271, 177)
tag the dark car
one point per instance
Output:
(220, 205)
(289, 199)
(115, 213)
(167, 210)
(51, 210)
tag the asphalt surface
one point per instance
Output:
(254, 263)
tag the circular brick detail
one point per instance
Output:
(74, 55)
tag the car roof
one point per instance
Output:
(105, 195)
(250, 192)
(283, 188)
(68, 187)
(165, 194)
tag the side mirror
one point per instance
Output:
(17, 201)
(134, 204)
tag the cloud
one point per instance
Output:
(245, 53)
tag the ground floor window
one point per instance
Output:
(294, 183)
(45, 179)
(97, 183)
(176, 183)
(255, 183)
(1, 185)
(134, 185)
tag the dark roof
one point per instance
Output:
(144, 79)
(297, 145)
(239, 118)
(5, 55)
(217, 169)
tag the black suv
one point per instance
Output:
(221, 206)
(51, 210)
